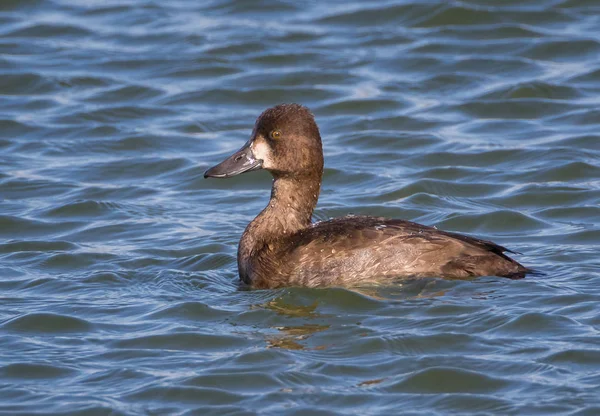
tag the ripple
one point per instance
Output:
(17, 4)
(111, 114)
(125, 94)
(564, 51)
(408, 143)
(14, 128)
(84, 209)
(184, 341)
(195, 72)
(236, 48)
(530, 108)
(30, 371)
(534, 89)
(423, 345)
(189, 311)
(551, 194)
(49, 30)
(440, 187)
(177, 395)
(451, 83)
(48, 323)
(200, 262)
(78, 261)
(360, 106)
(499, 221)
(590, 142)
(587, 360)
(26, 84)
(255, 96)
(4, 143)
(536, 323)
(577, 214)
(108, 192)
(567, 172)
(392, 14)
(578, 118)
(37, 246)
(579, 4)
(496, 31)
(126, 170)
(120, 231)
(591, 78)
(11, 225)
(454, 402)
(448, 380)
(242, 382)
(453, 16)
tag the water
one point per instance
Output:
(118, 278)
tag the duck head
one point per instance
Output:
(285, 141)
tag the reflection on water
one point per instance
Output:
(367, 383)
(292, 336)
(283, 307)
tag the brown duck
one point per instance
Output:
(282, 247)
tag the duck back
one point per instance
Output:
(356, 249)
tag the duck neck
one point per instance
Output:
(292, 203)
(290, 209)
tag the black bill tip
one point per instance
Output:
(240, 162)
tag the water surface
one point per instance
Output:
(118, 279)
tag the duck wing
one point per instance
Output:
(357, 248)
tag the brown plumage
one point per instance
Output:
(281, 247)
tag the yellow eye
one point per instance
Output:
(275, 134)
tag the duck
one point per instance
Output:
(283, 247)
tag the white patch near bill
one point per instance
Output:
(262, 151)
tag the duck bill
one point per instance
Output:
(240, 162)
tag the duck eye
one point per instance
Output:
(275, 134)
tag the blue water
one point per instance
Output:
(118, 279)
